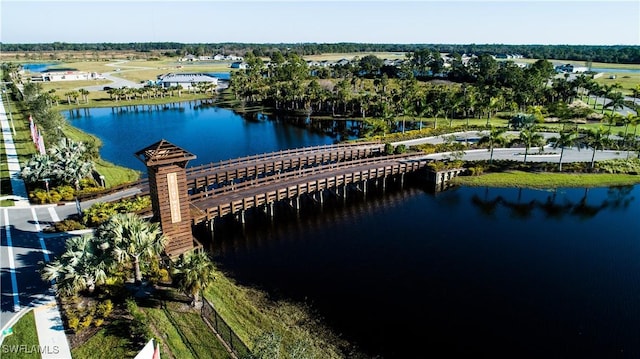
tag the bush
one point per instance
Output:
(400, 149)
(66, 192)
(388, 149)
(102, 211)
(73, 323)
(68, 225)
(42, 196)
(104, 309)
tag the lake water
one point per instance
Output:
(469, 272)
(211, 133)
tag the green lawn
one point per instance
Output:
(185, 335)
(24, 333)
(520, 179)
(250, 314)
(628, 81)
(109, 342)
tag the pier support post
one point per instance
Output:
(402, 180)
(241, 217)
(212, 227)
(384, 183)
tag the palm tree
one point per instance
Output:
(133, 240)
(611, 119)
(194, 272)
(635, 93)
(530, 138)
(85, 264)
(71, 164)
(39, 167)
(494, 138)
(85, 95)
(616, 101)
(597, 140)
(566, 139)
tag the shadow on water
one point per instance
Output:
(618, 198)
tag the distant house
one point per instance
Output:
(342, 62)
(66, 76)
(188, 58)
(219, 57)
(186, 80)
(569, 68)
(239, 65)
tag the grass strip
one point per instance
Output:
(519, 179)
(251, 314)
(107, 343)
(185, 333)
(23, 342)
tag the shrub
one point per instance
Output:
(68, 225)
(42, 196)
(104, 309)
(73, 323)
(66, 192)
(388, 149)
(400, 149)
(86, 322)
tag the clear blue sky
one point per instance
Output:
(426, 21)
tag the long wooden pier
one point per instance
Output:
(291, 185)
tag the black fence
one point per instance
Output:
(210, 314)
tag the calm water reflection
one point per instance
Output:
(498, 272)
(209, 132)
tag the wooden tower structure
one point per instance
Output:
(166, 166)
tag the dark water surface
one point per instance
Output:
(500, 273)
(470, 272)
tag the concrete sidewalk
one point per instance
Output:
(53, 341)
(17, 184)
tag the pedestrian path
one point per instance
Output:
(17, 184)
(53, 341)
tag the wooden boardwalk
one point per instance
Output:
(290, 185)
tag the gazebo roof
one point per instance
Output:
(164, 152)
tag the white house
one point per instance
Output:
(186, 80)
(66, 76)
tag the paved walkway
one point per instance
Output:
(17, 184)
(52, 339)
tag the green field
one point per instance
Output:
(107, 343)
(520, 179)
(184, 334)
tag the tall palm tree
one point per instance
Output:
(566, 139)
(85, 95)
(597, 140)
(611, 119)
(194, 272)
(530, 137)
(133, 240)
(494, 138)
(616, 102)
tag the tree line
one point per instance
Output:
(382, 94)
(595, 53)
